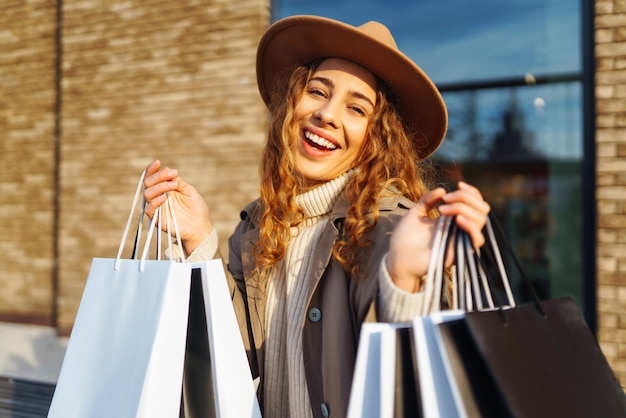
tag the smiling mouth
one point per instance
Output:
(319, 142)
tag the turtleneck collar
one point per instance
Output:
(321, 199)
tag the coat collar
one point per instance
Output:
(388, 201)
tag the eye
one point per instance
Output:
(357, 109)
(316, 92)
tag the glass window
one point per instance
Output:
(520, 142)
(522, 147)
(460, 40)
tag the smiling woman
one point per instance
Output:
(519, 110)
(332, 116)
(342, 230)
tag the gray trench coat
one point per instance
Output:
(336, 304)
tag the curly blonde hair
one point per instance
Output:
(383, 164)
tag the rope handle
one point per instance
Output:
(168, 211)
(471, 288)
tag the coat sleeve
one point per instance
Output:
(237, 287)
(390, 304)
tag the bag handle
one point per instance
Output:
(169, 212)
(518, 265)
(432, 274)
(477, 290)
(471, 289)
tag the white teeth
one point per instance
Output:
(319, 141)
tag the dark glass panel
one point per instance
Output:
(523, 148)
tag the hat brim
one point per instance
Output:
(297, 40)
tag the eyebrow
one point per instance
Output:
(329, 83)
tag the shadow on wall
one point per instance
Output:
(31, 352)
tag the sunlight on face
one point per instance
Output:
(332, 116)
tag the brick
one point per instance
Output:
(612, 335)
(604, 64)
(607, 264)
(608, 165)
(605, 91)
(610, 105)
(619, 34)
(607, 150)
(604, 35)
(603, 7)
(611, 77)
(610, 20)
(607, 292)
(610, 350)
(611, 49)
(610, 135)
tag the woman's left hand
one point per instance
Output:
(412, 239)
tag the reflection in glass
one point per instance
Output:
(523, 148)
(514, 123)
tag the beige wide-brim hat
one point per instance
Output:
(297, 40)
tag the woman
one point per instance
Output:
(335, 238)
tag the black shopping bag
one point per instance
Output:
(407, 402)
(534, 360)
(541, 363)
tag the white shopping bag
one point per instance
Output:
(155, 338)
(231, 377)
(438, 395)
(126, 352)
(372, 393)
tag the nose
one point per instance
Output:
(328, 114)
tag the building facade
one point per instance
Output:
(91, 91)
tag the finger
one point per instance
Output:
(159, 189)
(153, 167)
(153, 204)
(166, 174)
(476, 213)
(468, 197)
(466, 186)
(429, 201)
(473, 230)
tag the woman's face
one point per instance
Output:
(332, 116)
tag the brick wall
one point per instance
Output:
(153, 79)
(27, 159)
(611, 180)
(140, 80)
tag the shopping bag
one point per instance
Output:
(372, 394)
(230, 377)
(146, 341)
(534, 360)
(396, 369)
(125, 354)
(407, 402)
(436, 394)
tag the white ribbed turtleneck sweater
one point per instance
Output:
(286, 393)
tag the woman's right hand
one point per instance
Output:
(192, 213)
